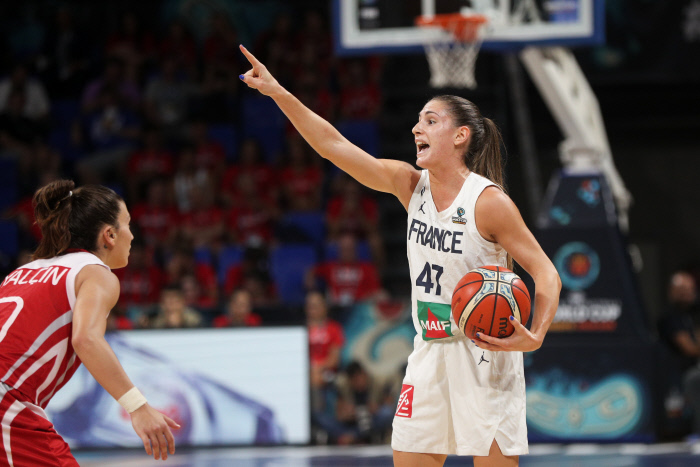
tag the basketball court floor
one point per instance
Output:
(579, 455)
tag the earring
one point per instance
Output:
(105, 246)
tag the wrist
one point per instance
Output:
(132, 400)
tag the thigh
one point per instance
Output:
(495, 458)
(416, 459)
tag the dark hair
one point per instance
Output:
(72, 217)
(483, 154)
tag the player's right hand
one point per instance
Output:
(154, 430)
(258, 77)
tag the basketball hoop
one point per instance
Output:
(452, 58)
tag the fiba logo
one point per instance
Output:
(578, 265)
(459, 218)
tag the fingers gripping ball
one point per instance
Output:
(485, 298)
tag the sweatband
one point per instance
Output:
(132, 399)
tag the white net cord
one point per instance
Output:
(452, 64)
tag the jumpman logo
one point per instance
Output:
(422, 190)
(421, 208)
(483, 359)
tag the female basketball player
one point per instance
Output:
(456, 399)
(53, 313)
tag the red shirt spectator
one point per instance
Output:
(182, 267)
(139, 286)
(156, 217)
(323, 338)
(348, 282)
(301, 180)
(204, 223)
(239, 312)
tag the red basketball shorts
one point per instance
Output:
(28, 437)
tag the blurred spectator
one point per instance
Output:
(250, 220)
(173, 311)
(156, 218)
(313, 36)
(203, 225)
(276, 49)
(110, 132)
(167, 97)
(677, 329)
(22, 213)
(253, 275)
(63, 62)
(250, 166)
(220, 49)
(194, 295)
(18, 133)
(140, 283)
(188, 177)
(360, 97)
(132, 44)
(209, 154)
(239, 311)
(36, 101)
(181, 265)
(147, 163)
(114, 78)
(676, 326)
(347, 280)
(352, 211)
(364, 409)
(326, 339)
(117, 320)
(218, 101)
(179, 46)
(301, 178)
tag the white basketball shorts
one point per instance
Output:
(457, 398)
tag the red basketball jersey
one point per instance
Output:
(36, 315)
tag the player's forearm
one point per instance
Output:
(547, 288)
(100, 360)
(321, 135)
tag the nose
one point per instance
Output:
(416, 129)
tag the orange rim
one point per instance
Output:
(463, 28)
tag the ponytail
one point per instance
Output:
(71, 218)
(485, 158)
(52, 208)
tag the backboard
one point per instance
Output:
(364, 27)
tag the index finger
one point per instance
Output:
(251, 58)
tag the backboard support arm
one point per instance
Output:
(570, 99)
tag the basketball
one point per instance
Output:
(485, 298)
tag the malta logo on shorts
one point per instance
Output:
(405, 405)
(459, 218)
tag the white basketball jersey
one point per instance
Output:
(442, 248)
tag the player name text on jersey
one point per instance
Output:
(35, 276)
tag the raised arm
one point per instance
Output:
(97, 291)
(498, 220)
(386, 175)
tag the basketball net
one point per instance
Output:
(452, 59)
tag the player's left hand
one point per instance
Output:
(522, 340)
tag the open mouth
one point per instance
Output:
(422, 147)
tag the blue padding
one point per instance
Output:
(288, 265)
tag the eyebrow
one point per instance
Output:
(429, 112)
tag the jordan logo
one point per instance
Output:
(421, 208)
(483, 359)
(422, 190)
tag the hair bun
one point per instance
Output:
(48, 198)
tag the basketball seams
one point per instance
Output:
(473, 312)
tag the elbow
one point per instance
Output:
(82, 342)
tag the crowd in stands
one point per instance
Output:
(237, 221)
